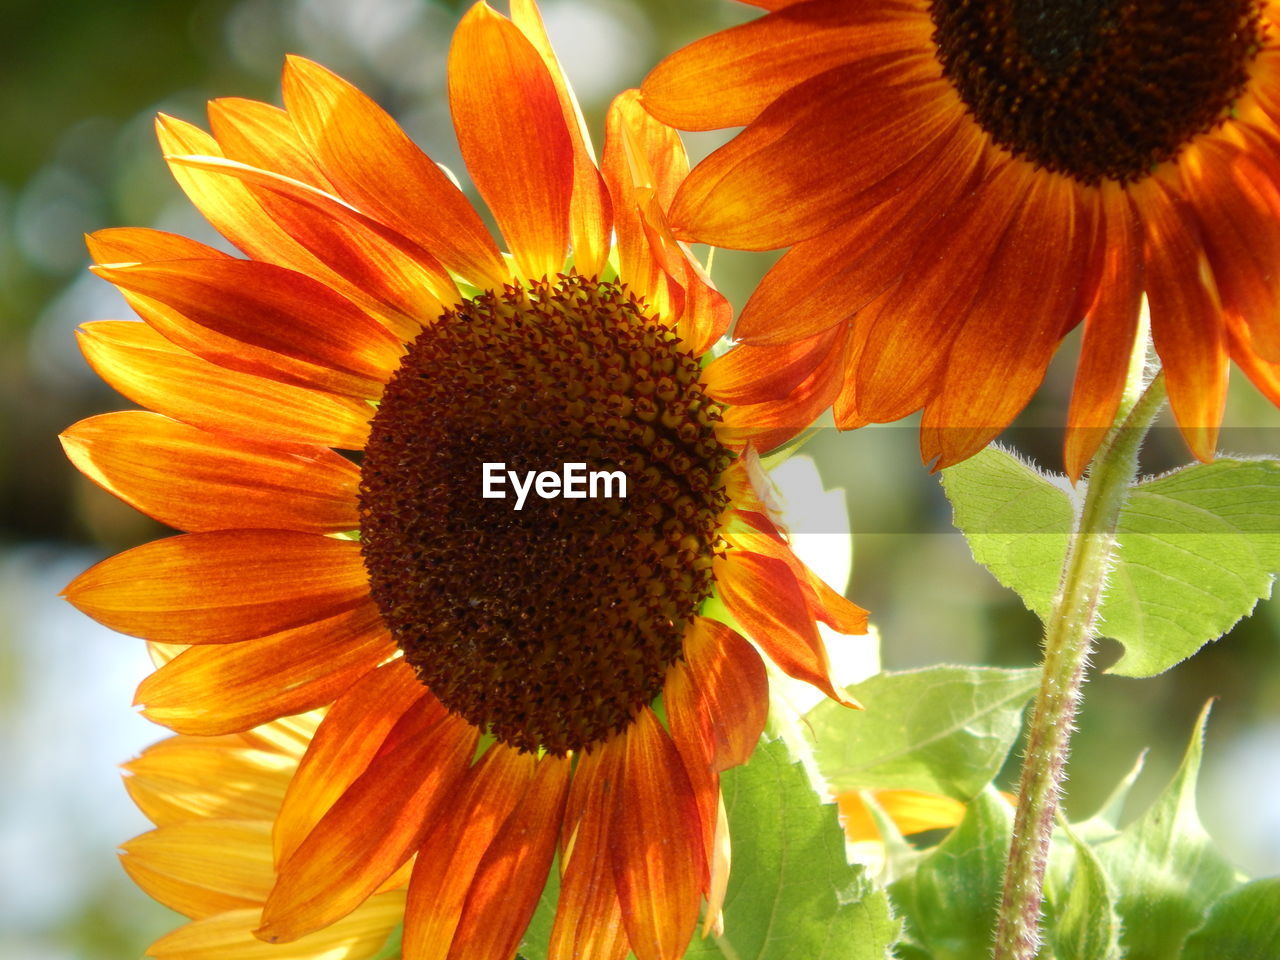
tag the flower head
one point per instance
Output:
(505, 685)
(962, 182)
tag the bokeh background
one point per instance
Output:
(80, 83)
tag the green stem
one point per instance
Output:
(1067, 644)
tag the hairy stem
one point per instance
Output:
(1067, 644)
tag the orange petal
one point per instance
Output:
(728, 78)
(588, 919)
(772, 423)
(513, 137)
(732, 691)
(229, 206)
(1238, 208)
(403, 188)
(195, 480)
(912, 811)
(787, 177)
(1109, 330)
(452, 852)
(654, 843)
(821, 282)
(372, 829)
(205, 778)
(262, 319)
(994, 368)
(510, 877)
(644, 164)
(359, 936)
(384, 273)
(201, 868)
(590, 212)
(262, 135)
(223, 586)
(748, 374)
(353, 731)
(764, 596)
(150, 370)
(225, 688)
(1186, 321)
(140, 244)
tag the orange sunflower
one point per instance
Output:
(213, 801)
(961, 182)
(510, 682)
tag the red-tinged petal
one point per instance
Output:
(993, 369)
(1238, 212)
(201, 868)
(910, 333)
(764, 596)
(590, 211)
(728, 78)
(748, 374)
(402, 187)
(451, 854)
(261, 135)
(588, 916)
(511, 875)
(1110, 326)
(692, 734)
(644, 164)
(820, 282)
(360, 936)
(788, 176)
(229, 206)
(772, 423)
(654, 844)
(223, 586)
(373, 828)
(150, 370)
(384, 273)
(199, 481)
(729, 681)
(513, 137)
(207, 778)
(824, 603)
(226, 688)
(1186, 318)
(352, 733)
(262, 319)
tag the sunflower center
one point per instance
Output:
(1096, 89)
(551, 624)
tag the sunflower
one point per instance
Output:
(213, 801)
(337, 418)
(960, 182)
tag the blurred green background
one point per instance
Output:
(80, 83)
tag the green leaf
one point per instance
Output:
(792, 895)
(1165, 868)
(943, 730)
(1016, 520)
(950, 902)
(1199, 549)
(1243, 925)
(1084, 925)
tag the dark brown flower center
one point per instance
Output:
(551, 624)
(1097, 89)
